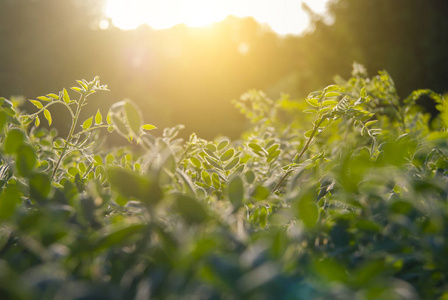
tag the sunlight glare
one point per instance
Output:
(283, 16)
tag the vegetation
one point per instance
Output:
(343, 196)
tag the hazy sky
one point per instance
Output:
(283, 16)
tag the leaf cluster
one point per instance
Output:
(348, 202)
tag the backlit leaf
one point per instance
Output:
(43, 98)
(329, 102)
(47, 116)
(222, 145)
(87, 123)
(9, 199)
(190, 209)
(122, 129)
(148, 127)
(51, 95)
(227, 155)
(65, 96)
(363, 92)
(131, 184)
(98, 118)
(213, 162)
(26, 160)
(13, 140)
(216, 182)
(133, 116)
(232, 164)
(206, 178)
(196, 162)
(235, 191)
(40, 186)
(332, 94)
(37, 104)
(370, 123)
(313, 102)
(256, 147)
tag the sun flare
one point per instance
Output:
(130, 14)
(283, 16)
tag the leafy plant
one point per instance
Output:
(345, 200)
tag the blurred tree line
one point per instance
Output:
(189, 76)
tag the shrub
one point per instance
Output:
(345, 198)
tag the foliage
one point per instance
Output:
(345, 200)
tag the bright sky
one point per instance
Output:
(283, 16)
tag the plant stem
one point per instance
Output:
(70, 134)
(305, 147)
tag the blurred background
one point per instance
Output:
(183, 62)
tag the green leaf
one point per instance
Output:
(196, 162)
(110, 159)
(65, 96)
(37, 104)
(37, 121)
(331, 88)
(13, 141)
(261, 193)
(118, 237)
(87, 123)
(309, 133)
(332, 94)
(363, 92)
(313, 102)
(3, 119)
(108, 118)
(213, 162)
(273, 148)
(201, 184)
(76, 89)
(43, 98)
(370, 123)
(206, 178)
(82, 167)
(47, 116)
(211, 154)
(263, 216)
(148, 127)
(100, 172)
(131, 184)
(307, 210)
(235, 191)
(329, 102)
(98, 118)
(310, 111)
(73, 171)
(26, 160)
(51, 95)
(9, 199)
(190, 209)
(227, 155)
(119, 125)
(215, 181)
(40, 186)
(256, 147)
(250, 176)
(324, 110)
(133, 116)
(211, 148)
(232, 164)
(222, 145)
